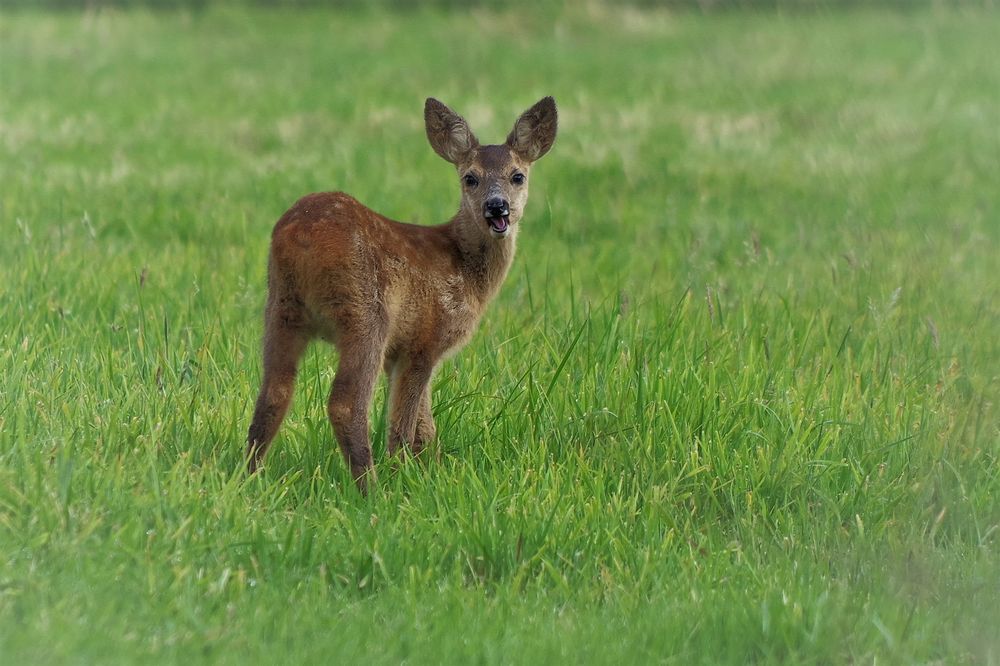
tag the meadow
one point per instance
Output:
(736, 402)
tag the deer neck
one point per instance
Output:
(483, 259)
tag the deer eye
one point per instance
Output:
(517, 179)
(470, 180)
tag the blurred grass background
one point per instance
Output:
(559, 5)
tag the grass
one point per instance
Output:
(737, 401)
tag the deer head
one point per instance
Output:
(494, 178)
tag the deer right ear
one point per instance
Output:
(448, 132)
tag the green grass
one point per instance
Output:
(737, 401)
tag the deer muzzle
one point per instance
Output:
(496, 210)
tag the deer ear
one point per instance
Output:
(535, 131)
(448, 132)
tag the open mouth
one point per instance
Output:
(499, 225)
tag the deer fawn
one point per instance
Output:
(389, 295)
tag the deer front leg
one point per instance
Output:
(350, 399)
(426, 430)
(410, 420)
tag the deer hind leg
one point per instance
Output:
(410, 421)
(350, 399)
(285, 340)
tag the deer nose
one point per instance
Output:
(496, 207)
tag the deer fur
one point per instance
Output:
(392, 296)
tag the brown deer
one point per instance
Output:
(389, 295)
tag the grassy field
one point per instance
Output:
(737, 401)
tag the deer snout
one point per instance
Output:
(496, 207)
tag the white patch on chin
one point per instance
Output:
(500, 234)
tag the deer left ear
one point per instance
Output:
(535, 131)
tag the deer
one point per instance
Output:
(392, 296)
